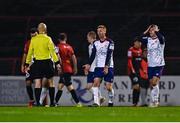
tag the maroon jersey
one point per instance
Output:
(134, 60)
(66, 52)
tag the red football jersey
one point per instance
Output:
(66, 52)
(143, 70)
(26, 46)
(134, 59)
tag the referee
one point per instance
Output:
(42, 50)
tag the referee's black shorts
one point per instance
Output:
(42, 68)
(65, 79)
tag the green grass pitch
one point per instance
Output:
(90, 114)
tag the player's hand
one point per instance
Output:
(75, 71)
(147, 30)
(59, 69)
(86, 69)
(156, 28)
(106, 69)
(133, 71)
(145, 74)
(86, 72)
(26, 69)
(22, 69)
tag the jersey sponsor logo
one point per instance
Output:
(102, 52)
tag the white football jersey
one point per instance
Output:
(102, 51)
(155, 54)
(93, 65)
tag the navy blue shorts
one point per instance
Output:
(155, 71)
(107, 77)
(90, 77)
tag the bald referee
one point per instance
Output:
(42, 50)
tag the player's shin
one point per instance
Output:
(37, 95)
(155, 94)
(30, 92)
(135, 96)
(51, 94)
(74, 96)
(43, 95)
(111, 95)
(96, 95)
(58, 96)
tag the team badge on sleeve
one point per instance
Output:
(129, 53)
(111, 46)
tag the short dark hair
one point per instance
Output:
(62, 36)
(92, 34)
(33, 30)
(102, 26)
(136, 39)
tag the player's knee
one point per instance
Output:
(60, 86)
(70, 87)
(50, 82)
(109, 87)
(154, 81)
(96, 83)
(37, 83)
(136, 87)
(28, 83)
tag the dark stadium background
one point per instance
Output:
(124, 19)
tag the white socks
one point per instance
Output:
(96, 95)
(99, 93)
(155, 94)
(43, 94)
(111, 95)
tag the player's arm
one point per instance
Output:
(147, 30)
(91, 59)
(130, 65)
(29, 54)
(60, 61)
(143, 37)
(23, 61)
(108, 56)
(53, 52)
(74, 61)
(160, 37)
(54, 55)
(93, 55)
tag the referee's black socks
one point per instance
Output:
(74, 96)
(58, 95)
(136, 94)
(37, 95)
(51, 94)
(30, 92)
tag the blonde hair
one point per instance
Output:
(92, 34)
